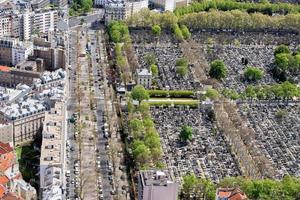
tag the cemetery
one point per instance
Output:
(211, 153)
(207, 154)
(277, 129)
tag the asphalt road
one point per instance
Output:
(102, 153)
(75, 21)
(72, 155)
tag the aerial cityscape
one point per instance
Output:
(149, 99)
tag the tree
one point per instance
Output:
(186, 133)
(141, 152)
(289, 90)
(182, 70)
(148, 123)
(150, 59)
(185, 32)
(253, 74)
(144, 108)
(190, 182)
(136, 127)
(156, 30)
(154, 69)
(152, 140)
(177, 32)
(139, 93)
(212, 93)
(182, 67)
(250, 92)
(218, 69)
(282, 61)
(282, 49)
(208, 189)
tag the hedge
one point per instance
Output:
(171, 93)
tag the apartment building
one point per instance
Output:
(21, 51)
(59, 3)
(158, 185)
(134, 6)
(25, 25)
(27, 118)
(39, 4)
(5, 25)
(169, 5)
(99, 3)
(43, 21)
(144, 77)
(114, 10)
(6, 45)
(11, 77)
(52, 153)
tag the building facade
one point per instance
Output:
(6, 133)
(144, 77)
(21, 51)
(133, 7)
(43, 21)
(114, 10)
(52, 153)
(26, 117)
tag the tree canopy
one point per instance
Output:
(182, 67)
(139, 93)
(218, 69)
(253, 74)
(156, 30)
(186, 133)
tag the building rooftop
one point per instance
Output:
(155, 178)
(23, 108)
(52, 145)
(5, 148)
(143, 72)
(5, 68)
(230, 194)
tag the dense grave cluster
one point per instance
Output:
(207, 154)
(238, 58)
(277, 132)
(166, 56)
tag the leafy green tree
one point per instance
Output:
(186, 133)
(136, 127)
(148, 123)
(250, 92)
(177, 32)
(141, 153)
(182, 67)
(181, 62)
(182, 70)
(208, 189)
(289, 90)
(232, 94)
(218, 69)
(150, 59)
(152, 140)
(185, 32)
(190, 182)
(282, 61)
(139, 93)
(212, 93)
(282, 49)
(144, 108)
(253, 74)
(154, 69)
(156, 30)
